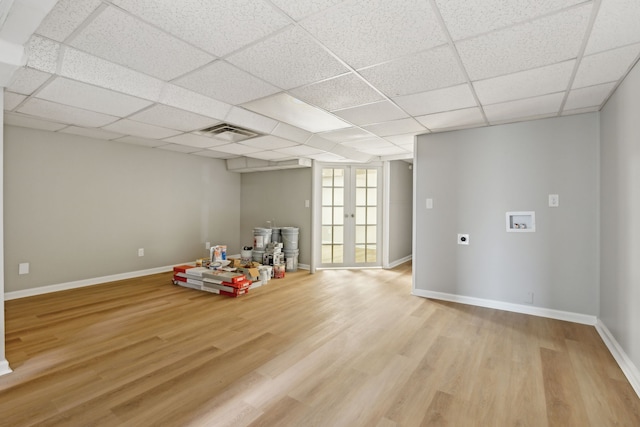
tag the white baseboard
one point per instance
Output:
(85, 282)
(517, 308)
(4, 367)
(628, 368)
(399, 261)
(304, 267)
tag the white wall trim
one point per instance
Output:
(4, 368)
(386, 198)
(304, 267)
(399, 261)
(628, 368)
(85, 282)
(507, 306)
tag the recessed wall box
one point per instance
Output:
(521, 222)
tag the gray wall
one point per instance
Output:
(78, 208)
(475, 176)
(620, 216)
(400, 210)
(277, 196)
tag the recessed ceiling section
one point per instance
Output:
(451, 98)
(219, 27)
(12, 100)
(65, 17)
(540, 106)
(173, 118)
(268, 142)
(13, 119)
(91, 133)
(143, 142)
(452, 119)
(349, 134)
(27, 80)
(179, 148)
(285, 108)
(118, 37)
(395, 127)
(88, 97)
(288, 59)
(197, 141)
(221, 80)
(337, 93)
(533, 44)
(366, 32)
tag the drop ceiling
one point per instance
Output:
(329, 80)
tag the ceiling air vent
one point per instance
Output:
(228, 132)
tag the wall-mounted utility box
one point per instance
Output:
(521, 222)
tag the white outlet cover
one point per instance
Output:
(554, 200)
(23, 268)
(141, 252)
(463, 239)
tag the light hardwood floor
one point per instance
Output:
(338, 348)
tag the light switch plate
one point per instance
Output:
(23, 268)
(554, 200)
(429, 203)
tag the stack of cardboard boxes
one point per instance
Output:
(218, 282)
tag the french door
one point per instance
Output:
(351, 213)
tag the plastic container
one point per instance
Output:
(257, 256)
(289, 238)
(246, 255)
(261, 237)
(291, 260)
(276, 237)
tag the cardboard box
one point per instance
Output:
(225, 276)
(251, 273)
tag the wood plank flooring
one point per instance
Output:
(338, 348)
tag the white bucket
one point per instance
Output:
(261, 237)
(290, 238)
(291, 260)
(257, 256)
(276, 237)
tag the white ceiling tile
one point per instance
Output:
(368, 143)
(236, 148)
(179, 148)
(43, 54)
(349, 134)
(320, 143)
(269, 155)
(91, 132)
(90, 69)
(249, 119)
(525, 84)
(21, 120)
(223, 81)
(298, 9)
(288, 59)
(327, 157)
(88, 97)
(196, 103)
(339, 92)
(27, 80)
(451, 98)
(533, 44)
(372, 113)
(367, 32)
(118, 37)
(65, 17)
(285, 108)
(141, 141)
(395, 127)
(64, 113)
(173, 118)
(432, 69)
(580, 111)
(292, 133)
(219, 27)
(524, 108)
(268, 142)
(453, 119)
(198, 141)
(384, 151)
(142, 130)
(616, 25)
(299, 150)
(606, 66)
(12, 100)
(403, 140)
(588, 96)
(214, 154)
(469, 18)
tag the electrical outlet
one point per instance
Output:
(429, 203)
(23, 268)
(307, 203)
(554, 200)
(529, 298)
(463, 239)
(207, 245)
(141, 252)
